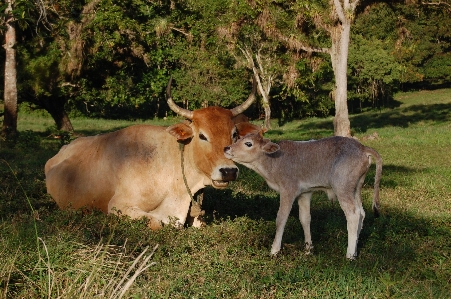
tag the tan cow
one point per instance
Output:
(137, 171)
(295, 169)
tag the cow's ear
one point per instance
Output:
(181, 131)
(270, 147)
(248, 128)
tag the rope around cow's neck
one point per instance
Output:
(196, 209)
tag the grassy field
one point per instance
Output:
(405, 253)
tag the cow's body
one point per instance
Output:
(137, 171)
(295, 169)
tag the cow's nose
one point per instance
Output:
(229, 174)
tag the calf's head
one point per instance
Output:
(250, 148)
(207, 132)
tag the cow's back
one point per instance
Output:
(90, 170)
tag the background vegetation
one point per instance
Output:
(406, 253)
(112, 58)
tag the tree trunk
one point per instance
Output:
(339, 57)
(267, 122)
(259, 77)
(265, 90)
(62, 121)
(56, 109)
(9, 128)
(265, 98)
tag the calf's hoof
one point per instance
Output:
(308, 250)
(351, 257)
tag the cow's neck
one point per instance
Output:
(194, 179)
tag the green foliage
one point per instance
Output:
(311, 94)
(414, 35)
(438, 69)
(40, 72)
(125, 72)
(21, 12)
(114, 60)
(378, 21)
(373, 72)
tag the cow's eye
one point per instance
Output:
(202, 137)
(248, 144)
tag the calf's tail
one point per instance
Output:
(377, 179)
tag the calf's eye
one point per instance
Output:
(248, 144)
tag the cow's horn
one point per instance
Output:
(179, 110)
(241, 108)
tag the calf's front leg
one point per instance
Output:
(286, 202)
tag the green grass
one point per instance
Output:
(405, 253)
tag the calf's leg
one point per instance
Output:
(286, 202)
(305, 219)
(353, 213)
(358, 198)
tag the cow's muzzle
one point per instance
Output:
(229, 174)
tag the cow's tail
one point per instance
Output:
(377, 179)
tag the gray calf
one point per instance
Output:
(295, 169)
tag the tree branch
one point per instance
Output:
(354, 5)
(437, 3)
(339, 10)
(298, 45)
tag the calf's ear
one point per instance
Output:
(240, 118)
(245, 128)
(181, 131)
(270, 147)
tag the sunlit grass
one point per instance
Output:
(405, 253)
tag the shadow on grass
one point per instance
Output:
(403, 117)
(391, 174)
(396, 242)
(399, 117)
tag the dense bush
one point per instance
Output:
(113, 58)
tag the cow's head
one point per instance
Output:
(207, 132)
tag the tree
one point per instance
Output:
(340, 34)
(262, 56)
(264, 78)
(9, 128)
(31, 74)
(320, 26)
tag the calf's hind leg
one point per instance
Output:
(358, 200)
(354, 217)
